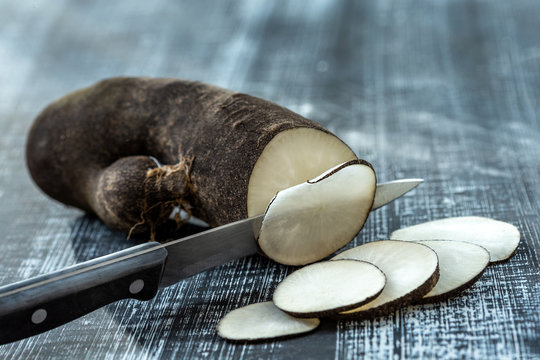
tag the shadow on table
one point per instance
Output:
(91, 238)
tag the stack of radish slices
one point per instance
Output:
(422, 263)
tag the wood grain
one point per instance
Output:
(444, 90)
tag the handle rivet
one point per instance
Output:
(39, 316)
(136, 286)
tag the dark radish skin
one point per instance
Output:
(98, 149)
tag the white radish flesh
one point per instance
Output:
(329, 287)
(411, 271)
(460, 265)
(310, 221)
(499, 238)
(290, 158)
(262, 321)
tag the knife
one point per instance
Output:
(44, 302)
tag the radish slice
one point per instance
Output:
(499, 238)
(329, 287)
(262, 321)
(460, 265)
(309, 221)
(411, 271)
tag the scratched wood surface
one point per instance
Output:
(444, 90)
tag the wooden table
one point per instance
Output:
(444, 90)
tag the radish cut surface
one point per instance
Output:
(310, 221)
(499, 238)
(328, 287)
(290, 158)
(460, 265)
(411, 271)
(262, 321)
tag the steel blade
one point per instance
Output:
(196, 253)
(390, 191)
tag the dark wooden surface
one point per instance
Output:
(444, 90)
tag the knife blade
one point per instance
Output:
(42, 303)
(235, 240)
(391, 190)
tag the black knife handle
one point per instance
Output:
(39, 304)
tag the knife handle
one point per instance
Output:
(42, 303)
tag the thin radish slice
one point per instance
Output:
(411, 271)
(262, 321)
(329, 287)
(460, 265)
(309, 221)
(499, 238)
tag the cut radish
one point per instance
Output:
(262, 321)
(310, 221)
(499, 238)
(329, 287)
(460, 265)
(290, 158)
(411, 271)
